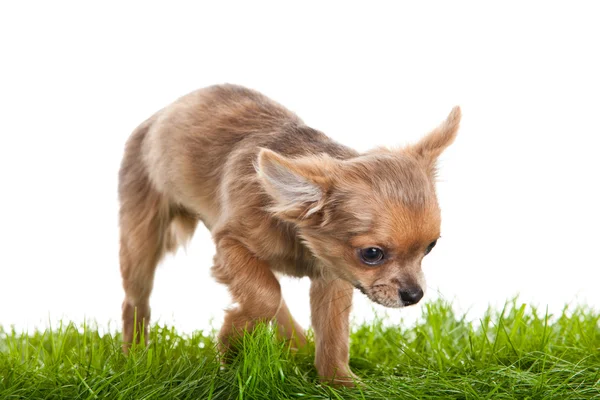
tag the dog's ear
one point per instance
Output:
(428, 149)
(297, 186)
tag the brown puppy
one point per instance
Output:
(277, 196)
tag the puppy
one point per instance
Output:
(278, 197)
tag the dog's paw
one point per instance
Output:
(347, 379)
(297, 341)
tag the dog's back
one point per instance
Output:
(183, 146)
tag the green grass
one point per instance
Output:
(516, 353)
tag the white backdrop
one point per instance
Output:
(518, 189)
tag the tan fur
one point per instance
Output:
(277, 196)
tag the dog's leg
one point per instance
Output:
(144, 229)
(289, 328)
(331, 301)
(252, 285)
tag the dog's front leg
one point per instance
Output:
(252, 285)
(331, 301)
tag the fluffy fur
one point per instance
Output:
(277, 196)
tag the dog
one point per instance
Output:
(278, 198)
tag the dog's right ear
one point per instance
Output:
(429, 148)
(297, 186)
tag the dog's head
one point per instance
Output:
(369, 219)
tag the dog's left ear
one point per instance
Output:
(428, 149)
(297, 186)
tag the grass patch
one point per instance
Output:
(515, 353)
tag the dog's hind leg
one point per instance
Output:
(144, 219)
(288, 327)
(144, 230)
(148, 231)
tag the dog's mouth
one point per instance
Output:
(382, 300)
(360, 288)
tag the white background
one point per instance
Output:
(518, 189)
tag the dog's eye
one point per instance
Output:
(371, 255)
(430, 247)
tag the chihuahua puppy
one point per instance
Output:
(277, 197)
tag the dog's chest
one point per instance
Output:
(301, 265)
(285, 252)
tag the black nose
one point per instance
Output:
(411, 295)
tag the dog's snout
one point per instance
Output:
(410, 296)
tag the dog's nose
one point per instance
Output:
(410, 296)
